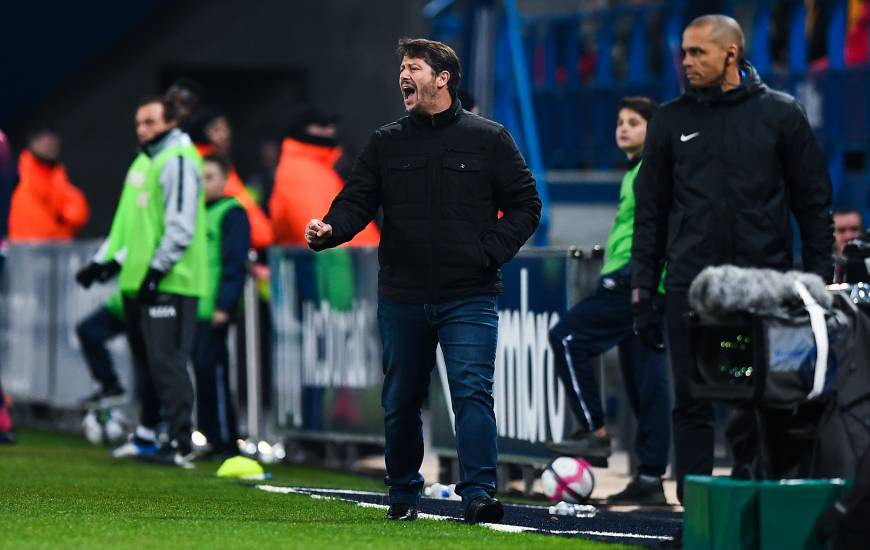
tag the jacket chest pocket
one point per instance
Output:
(463, 180)
(406, 180)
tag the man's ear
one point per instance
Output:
(732, 55)
(442, 79)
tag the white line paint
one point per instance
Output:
(311, 492)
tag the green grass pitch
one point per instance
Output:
(60, 492)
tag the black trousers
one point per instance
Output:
(692, 418)
(215, 411)
(591, 327)
(94, 331)
(161, 341)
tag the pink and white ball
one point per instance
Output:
(568, 479)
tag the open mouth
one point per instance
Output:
(409, 92)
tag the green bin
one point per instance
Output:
(726, 514)
(720, 513)
(789, 510)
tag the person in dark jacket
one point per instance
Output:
(441, 175)
(229, 240)
(724, 166)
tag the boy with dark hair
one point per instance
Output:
(604, 320)
(229, 240)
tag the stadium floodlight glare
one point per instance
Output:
(278, 450)
(250, 448)
(198, 439)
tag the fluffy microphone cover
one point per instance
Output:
(721, 291)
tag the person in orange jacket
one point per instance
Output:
(213, 135)
(45, 205)
(306, 181)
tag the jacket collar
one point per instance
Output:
(438, 120)
(750, 85)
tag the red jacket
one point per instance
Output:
(305, 185)
(45, 205)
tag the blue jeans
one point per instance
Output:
(593, 326)
(467, 330)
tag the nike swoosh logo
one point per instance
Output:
(684, 138)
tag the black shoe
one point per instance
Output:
(172, 454)
(7, 438)
(111, 397)
(640, 491)
(402, 512)
(595, 449)
(484, 509)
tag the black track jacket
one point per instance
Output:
(441, 181)
(721, 173)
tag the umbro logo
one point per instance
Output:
(161, 312)
(686, 137)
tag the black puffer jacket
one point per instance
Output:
(721, 173)
(441, 181)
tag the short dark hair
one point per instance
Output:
(168, 108)
(725, 28)
(641, 105)
(222, 161)
(848, 211)
(437, 55)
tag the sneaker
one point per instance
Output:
(172, 454)
(136, 447)
(640, 490)
(402, 512)
(7, 438)
(595, 449)
(104, 398)
(484, 509)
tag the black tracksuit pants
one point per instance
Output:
(94, 331)
(692, 418)
(161, 341)
(215, 412)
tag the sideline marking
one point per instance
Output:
(312, 492)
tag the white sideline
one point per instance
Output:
(311, 492)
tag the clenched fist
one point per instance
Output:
(317, 232)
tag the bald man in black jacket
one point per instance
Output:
(724, 166)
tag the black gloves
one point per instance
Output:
(647, 320)
(148, 289)
(95, 271)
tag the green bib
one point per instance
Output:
(618, 253)
(144, 230)
(133, 183)
(214, 218)
(619, 242)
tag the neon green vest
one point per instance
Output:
(133, 184)
(619, 242)
(144, 229)
(618, 253)
(214, 216)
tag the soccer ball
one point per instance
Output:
(105, 426)
(568, 479)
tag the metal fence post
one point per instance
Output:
(252, 358)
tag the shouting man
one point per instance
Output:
(441, 175)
